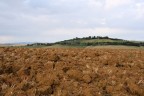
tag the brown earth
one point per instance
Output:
(71, 72)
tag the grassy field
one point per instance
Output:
(100, 40)
(116, 47)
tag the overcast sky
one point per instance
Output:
(54, 20)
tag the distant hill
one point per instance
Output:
(16, 44)
(92, 41)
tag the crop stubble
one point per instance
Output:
(71, 72)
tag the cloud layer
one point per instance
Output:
(54, 20)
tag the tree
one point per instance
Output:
(94, 37)
(90, 37)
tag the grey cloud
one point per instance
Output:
(23, 18)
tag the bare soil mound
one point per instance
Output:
(71, 72)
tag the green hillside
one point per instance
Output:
(92, 41)
(95, 41)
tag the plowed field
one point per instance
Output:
(71, 72)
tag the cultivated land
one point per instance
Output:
(71, 72)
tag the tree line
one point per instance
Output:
(126, 43)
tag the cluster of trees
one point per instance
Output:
(92, 37)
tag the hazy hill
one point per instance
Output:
(15, 44)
